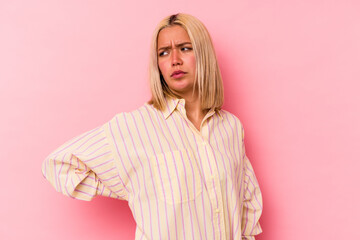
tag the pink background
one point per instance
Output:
(291, 74)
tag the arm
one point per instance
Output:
(252, 206)
(84, 167)
(252, 202)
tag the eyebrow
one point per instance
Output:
(177, 45)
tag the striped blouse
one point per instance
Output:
(180, 183)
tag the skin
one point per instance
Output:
(175, 53)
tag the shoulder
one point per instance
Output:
(140, 115)
(233, 121)
(230, 118)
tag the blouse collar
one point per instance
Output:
(173, 103)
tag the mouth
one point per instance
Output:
(178, 74)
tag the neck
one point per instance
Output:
(193, 108)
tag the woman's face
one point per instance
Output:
(176, 59)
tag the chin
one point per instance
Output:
(181, 86)
(182, 91)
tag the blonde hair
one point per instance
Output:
(207, 77)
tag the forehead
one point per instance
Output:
(173, 34)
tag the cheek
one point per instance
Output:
(192, 62)
(162, 67)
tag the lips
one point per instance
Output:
(177, 74)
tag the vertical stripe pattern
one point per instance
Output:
(180, 182)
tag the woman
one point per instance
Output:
(179, 160)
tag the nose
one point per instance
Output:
(175, 58)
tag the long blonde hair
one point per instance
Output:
(207, 77)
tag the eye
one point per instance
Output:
(163, 53)
(186, 49)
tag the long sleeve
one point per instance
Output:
(84, 167)
(252, 205)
